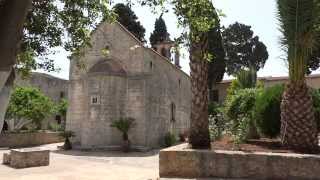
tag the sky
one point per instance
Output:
(260, 15)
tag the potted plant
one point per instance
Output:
(124, 125)
(67, 135)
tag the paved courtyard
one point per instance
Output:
(78, 165)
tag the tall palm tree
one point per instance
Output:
(199, 16)
(299, 20)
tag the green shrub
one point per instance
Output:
(239, 104)
(217, 124)
(247, 78)
(123, 125)
(238, 110)
(267, 111)
(169, 139)
(213, 108)
(53, 126)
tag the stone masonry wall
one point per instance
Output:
(28, 139)
(149, 84)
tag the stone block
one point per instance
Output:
(6, 159)
(29, 157)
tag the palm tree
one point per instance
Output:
(199, 126)
(200, 17)
(299, 21)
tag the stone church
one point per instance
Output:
(120, 77)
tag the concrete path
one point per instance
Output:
(78, 165)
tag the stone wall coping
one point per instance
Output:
(184, 148)
(29, 150)
(181, 162)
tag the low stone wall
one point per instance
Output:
(180, 162)
(28, 139)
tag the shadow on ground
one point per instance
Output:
(101, 153)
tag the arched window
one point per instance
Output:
(151, 65)
(173, 112)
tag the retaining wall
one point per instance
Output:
(181, 162)
(29, 139)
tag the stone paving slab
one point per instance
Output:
(79, 165)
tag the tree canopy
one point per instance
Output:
(30, 104)
(128, 19)
(58, 23)
(160, 33)
(217, 65)
(243, 49)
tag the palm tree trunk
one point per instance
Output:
(199, 127)
(298, 125)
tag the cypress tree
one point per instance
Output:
(160, 33)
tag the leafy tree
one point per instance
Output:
(30, 105)
(62, 107)
(300, 22)
(160, 33)
(31, 28)
(129, 20)
(243, 50)
(198, 17)
(217, 65)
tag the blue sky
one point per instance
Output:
(261, 15)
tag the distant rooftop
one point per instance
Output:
(271, 78)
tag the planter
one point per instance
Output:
(180, 162)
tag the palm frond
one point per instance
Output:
(300, 25)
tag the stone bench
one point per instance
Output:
(27, 157)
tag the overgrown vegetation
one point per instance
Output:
(239, 111)
(170, 139)
(267, 111)
(253, 112)
(217, 125)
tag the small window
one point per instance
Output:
(61, 94)
(214, 96)
(58, 119)
(94, 100)
(151, 65)
(179, 82)
(173, 112)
